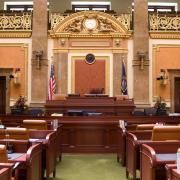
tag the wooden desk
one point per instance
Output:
(105, 105)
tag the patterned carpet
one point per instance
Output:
(89, 167)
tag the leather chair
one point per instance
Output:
(145, 126)
(3, 154)
(17, 133)
(122, 97)
(35, 124)
(162, 133)
(59, 97)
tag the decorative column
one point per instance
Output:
(141, 53)
(39, 53)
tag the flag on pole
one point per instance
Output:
(124, 80)
(52, 83)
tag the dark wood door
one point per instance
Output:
(2, 95)
(177, 95)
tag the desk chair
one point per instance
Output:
(145, 126)
(35, 124)
(17, 133)
(162, 133)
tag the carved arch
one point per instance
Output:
(107, 25)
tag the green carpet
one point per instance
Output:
(89, 167)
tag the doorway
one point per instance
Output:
(177, 95)
(2, 94)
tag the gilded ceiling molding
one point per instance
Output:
(164, 35)
(15, 34)
(91, 24)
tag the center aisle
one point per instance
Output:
(89, 167)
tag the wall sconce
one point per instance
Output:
(141, 57)
(17, 76)
(38, 55)
(163, 77)
(62, 41)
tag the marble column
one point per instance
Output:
(141, 53)
(39, 51)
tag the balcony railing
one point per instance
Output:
(164, 22)
(15, 21)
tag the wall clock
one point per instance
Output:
(90, 23)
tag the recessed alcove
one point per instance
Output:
(5, 90)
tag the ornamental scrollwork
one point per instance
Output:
(55, 19)
(164, 22)
(124, 19)
(14, 22)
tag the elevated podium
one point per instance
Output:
(90, 103)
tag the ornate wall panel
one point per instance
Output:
(99, 70)
(89, 76)
(15, 56)
(164, 57)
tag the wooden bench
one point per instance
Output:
(134, 141)
(155, 156)
(49, 141)
(121, 152)
(29, 157)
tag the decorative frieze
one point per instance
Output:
(90, 23)
(124, 19)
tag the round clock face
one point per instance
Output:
(90, 23)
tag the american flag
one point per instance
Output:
(52, 83)
(124, 80)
